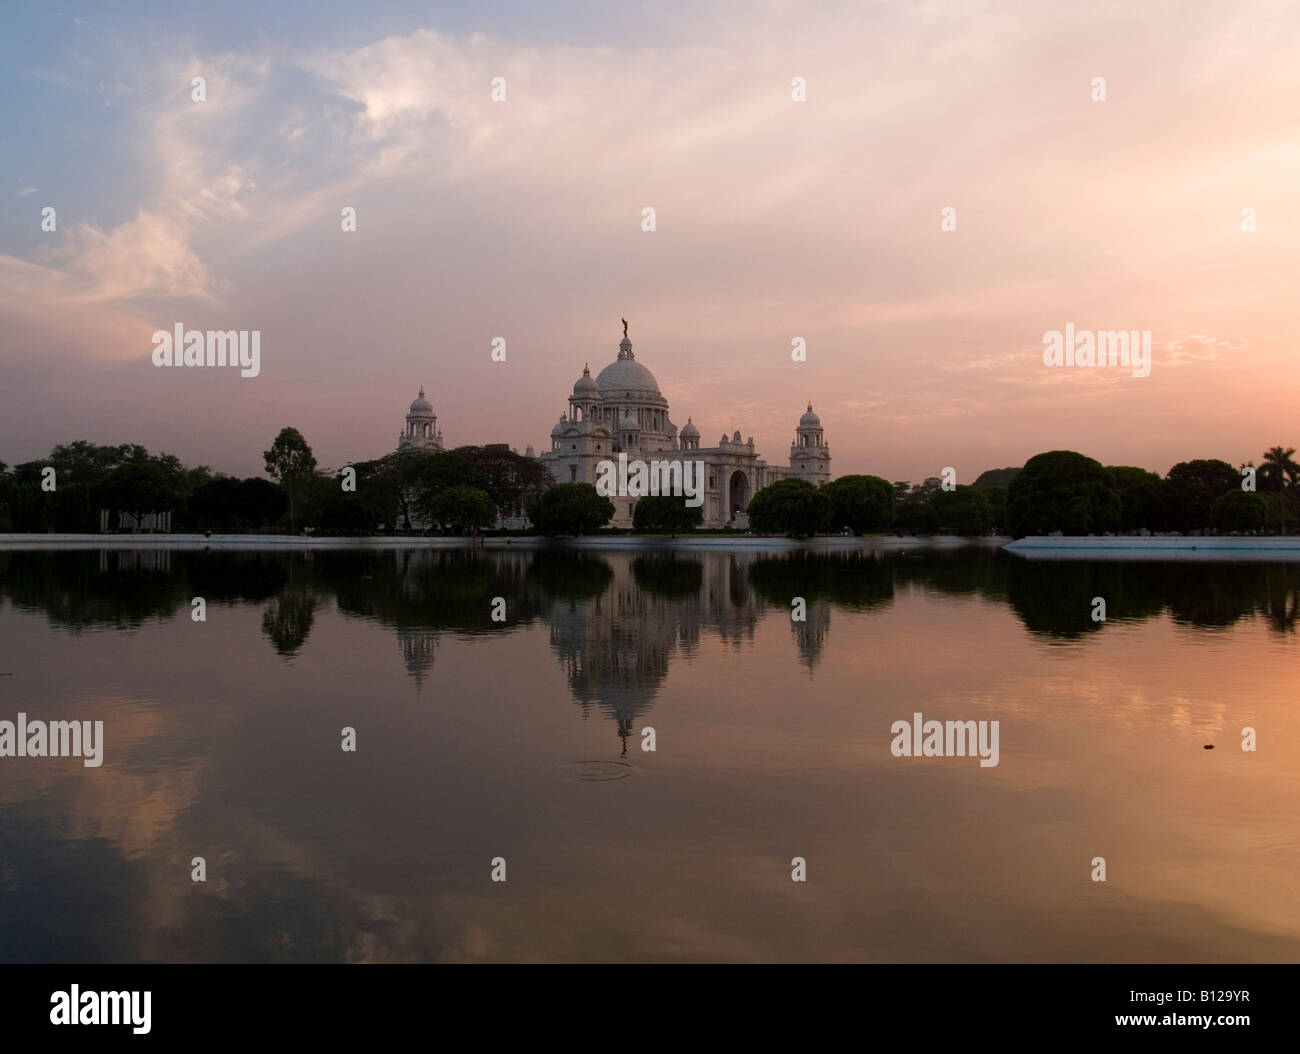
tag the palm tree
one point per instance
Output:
(1279, 470)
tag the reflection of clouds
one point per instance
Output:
(134, 801)
(1101, 740)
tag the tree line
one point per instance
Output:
(1059, 490)
(462, 490)
(473, 488)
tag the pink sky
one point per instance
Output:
(775, 219)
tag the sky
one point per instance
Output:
(775, 219)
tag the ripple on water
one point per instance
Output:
(1100, 893)
(596, 771)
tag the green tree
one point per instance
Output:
(140, 486)
(1279, 469)
(350, 513)
(1141, 495)
(1283, 515)
(291, 463)
(570, 508)
(926, 490)
(75, 509)
(965, 510)
(863, 504)
(916, 515)
(998, 506)
(790, 506)
(664, 512)
(1239, 510)
(511, 480)
(216, 504)
(1062, 490)
(995, 477)
(1192, 488)
(84, 462)
(463, 509)
(429, 475)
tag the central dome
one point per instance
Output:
(626, 375)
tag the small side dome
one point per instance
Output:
(810, 419)
(690, 429)
(561, 425)
(421, 404)
(586, 387)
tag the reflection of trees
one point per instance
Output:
(83, 589)
(225, 576)
(1055, 598)
(569, 574)
(960, 572)
(668, 575)
(1281, 602)
(858, 581)
(669, 598)
(288, 618)
(1234, 591)
(442, 589)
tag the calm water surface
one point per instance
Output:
(523, 740)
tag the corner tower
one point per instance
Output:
(421, 431)
(810, 457)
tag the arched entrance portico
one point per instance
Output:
(737, 494)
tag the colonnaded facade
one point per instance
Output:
(621, 410)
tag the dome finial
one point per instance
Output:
(586, 369)
(809, 404)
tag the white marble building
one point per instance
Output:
(622, 410)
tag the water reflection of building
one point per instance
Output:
(810, 635)
(615, 640)
(135, 560)
(418, 646)
(616, 648)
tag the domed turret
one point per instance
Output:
(689, 436)
(421, 431)
(421, 407)
(560, 425)
(586, 386)
(810, 457)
